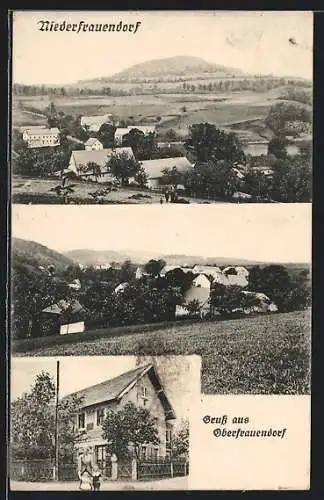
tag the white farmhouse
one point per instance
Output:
(40, 137)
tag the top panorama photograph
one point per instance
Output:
(192, 107)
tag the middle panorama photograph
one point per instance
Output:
(161, 280)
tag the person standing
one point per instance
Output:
(96, 478)
(167, 195)
(85, 466)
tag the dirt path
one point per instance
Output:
(178, 483)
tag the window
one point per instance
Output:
(100, 416)
(101, 453)
(155, 453)
(81, 420)
(168, 436)
(143, 452)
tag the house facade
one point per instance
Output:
(143, 388)
(39, 137)
(93, 144)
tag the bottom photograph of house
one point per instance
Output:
(102, 423)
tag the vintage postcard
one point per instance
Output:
(161, 222)
(207, 116)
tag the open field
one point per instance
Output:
(220, 109)
(35, 190)
(267, 354)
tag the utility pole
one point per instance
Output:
(56, 419)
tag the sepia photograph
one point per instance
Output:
(232, 288)
(122, 424)
(210, 115)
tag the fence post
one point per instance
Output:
(114, 468)
(171, 468)
(134, 469)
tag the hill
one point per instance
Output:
(177, 65)
(33, 254)
(96, 257)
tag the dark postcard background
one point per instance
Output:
(318, 254)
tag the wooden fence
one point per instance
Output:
(161, 469)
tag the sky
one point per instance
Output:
(262, 232)
(256, 42)
(79, 372)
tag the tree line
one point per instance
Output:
(151, 298)
(229, 84)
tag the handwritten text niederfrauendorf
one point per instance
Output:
(82, 26)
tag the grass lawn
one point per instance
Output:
(267, 354)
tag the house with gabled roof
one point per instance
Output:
(154, 169)
(80, 160)
(41, 136)
(93, 144)
(62, 317)
(94, 123)
(142, 387)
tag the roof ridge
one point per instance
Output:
(139, 368)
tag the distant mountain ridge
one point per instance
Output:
(37, 254)
(97, 257)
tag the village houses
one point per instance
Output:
(142, 387)
(41, 136)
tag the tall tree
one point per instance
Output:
(122, 166)
(129, 425)
(180, 440)
(154, 267)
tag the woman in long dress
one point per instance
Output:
(85, 467)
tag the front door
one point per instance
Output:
(103, 460)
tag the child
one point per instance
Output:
(96, 475)
(86, 481)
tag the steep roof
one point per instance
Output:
(115, 388)
(41, 130)
(90, 120)
(100, 156)
(121, 131)
(153, 168)
(206, 269)
(62, 306)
